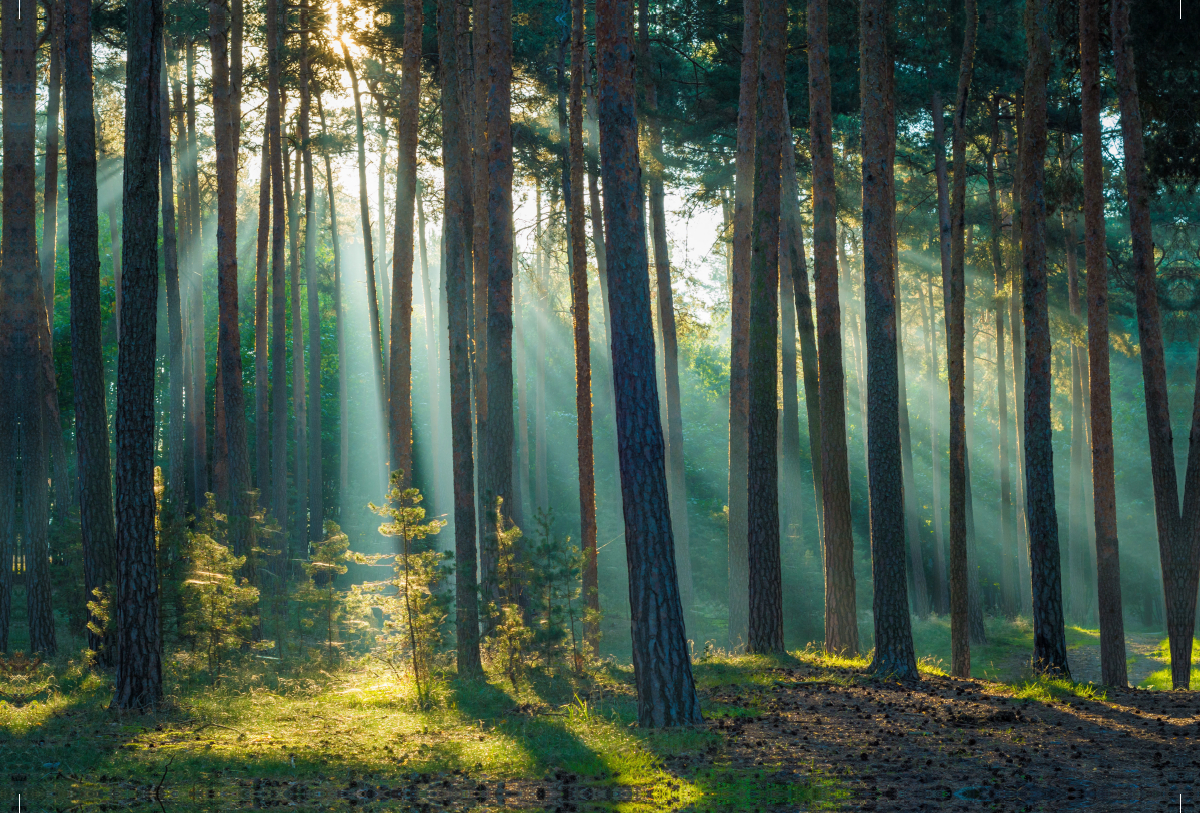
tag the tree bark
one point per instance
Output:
(262, 277)
(225, 116)
(176, 492)
(1078, 593)
(662, 668)
(385, 298)
(676, 472)
(521, 483)
(1177, 533)
(312, 435)
(299, 414)
(87, 359)
(431, 350)
(197, 391)
(929, 328)
(456, 158)
(279, 410)
(919, 590)
(1015, 299)
(340, 322)
(23, 308)
(953, 293)
(790, 514)
(762, 537)
(1108, 564)
(400, 373)
(49, 244)
(739, 327)
(541, 308)
(139, 648)
(1049, 635)
(583, 342)
(893, 633)
(841, 624)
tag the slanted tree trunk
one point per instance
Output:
(1108, 564)
(662, 668)
(762, 536)
(1177, 533)
(739, 327)
(400, 373)
(583, 341)
(23, 314)
(893, 633)
(1009, 590)
(456, 158)
(841, 624)
(139, 648)
(262, 374)
(87, 360)
(279, 410)
(229, 338)
(176, 478)
(368, 246)
(797, 263)
(953, 294)
(1049, 635)
(666, 315)
(311, 450)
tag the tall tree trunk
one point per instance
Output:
(229, 339)
(762, 536)
(433, 382)
(299, 413)
(583, 341)
(176, 482)
(739, 327)
(541, 312)
(23, 307)
(381, 271)
(262, 276)
(1108, 563)
(929, 328)
(400, 374)
(87, 360)
(368, 248)
(919, 590)
(139, 648)
(279, 410)
(478, 69)
(953, 294)
(662, 668)
(594, 209)
(456, 158)
(521, 484)
(790, 513)
(1079, 593)
(1177, 533)
(893, 633)
(49, 244)
(197, 390)
(1015, 298)
(978, 633)
(340, 322)
(1049, 635)
(841, 624)
(1009, 590)
(797, 263)
(666, 316)
(312, 435)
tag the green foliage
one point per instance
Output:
(321, 604)
(510, 638)
(414, 601)
(554, 593)
(220, 608)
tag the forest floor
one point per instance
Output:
(803, 732)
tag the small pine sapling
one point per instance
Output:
(318, 595)
(511, 636)
(554, 591)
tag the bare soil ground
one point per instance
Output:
(950, 744)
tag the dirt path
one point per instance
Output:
(948, 744)
(1139, 648)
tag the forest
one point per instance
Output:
(870, 331)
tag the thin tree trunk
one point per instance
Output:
(262, 389)
(919, 590)
(541, 308)
(666, 317)
(87, 361)
(431, 350)
(279, 410)
(229, 341)
(662, 668)
(368, 248)
(340, 321)
(521, 484)
(1078, 592)
(400, 373)
(1108, 564)
(312, 436)
(299, 390)
(176, 482)
(841, 624)
(49, 244)
(929, 328)
(1177, 533)
(24, 323)
(762, 537)
(594, 208)
(583, 351)
(739, 327)
(381, 271)
(1015, 298)
(978, 633)
(790, 513)
(456, 158)
(198, 398)
(139, 664)
(1049, 635)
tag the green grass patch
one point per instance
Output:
(1046, 689)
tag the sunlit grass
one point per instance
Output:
(1047, 689)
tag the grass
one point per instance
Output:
(1161, 679)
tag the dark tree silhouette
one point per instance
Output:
(662, 667)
